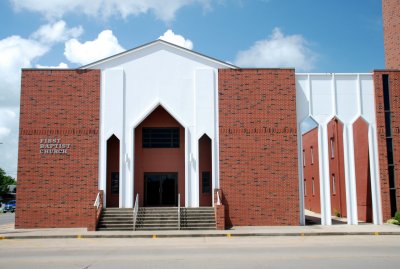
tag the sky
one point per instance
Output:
(309, 35)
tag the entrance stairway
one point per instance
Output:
(116, 219)
(157, 218)
(200, 218)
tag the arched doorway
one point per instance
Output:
(159, 160)
(112, 196)
(205, 171)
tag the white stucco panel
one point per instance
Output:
(368, 98)
(322, 97)
(347, 97)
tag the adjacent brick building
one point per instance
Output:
(391, 28)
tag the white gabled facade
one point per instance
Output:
(134, 83)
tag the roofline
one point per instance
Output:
(150, 44)
(333, 73)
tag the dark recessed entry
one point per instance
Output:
(160, 189)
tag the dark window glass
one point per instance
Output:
(389, 146)
(160, 137)
(386, 93)
(388, 124)
(393, 206)
(115, 182)
(206, 182)
(391, 176)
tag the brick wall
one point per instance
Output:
(362, 169)
(312, 200)
(258, 146)
(394, 88)
(391, 28)
(58, 190)
(336, 168)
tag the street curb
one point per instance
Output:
(228, 235)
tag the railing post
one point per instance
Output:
(179, 211)
(218, 198)
(135, 211)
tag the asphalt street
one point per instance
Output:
(223, 252)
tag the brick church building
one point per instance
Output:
(160, 126)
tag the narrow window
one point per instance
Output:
(332, 148)
(206, 182)
(305, 187)
(160, 137)
(389, 143)
(304, 158)
(312, 155)
(333, 184)
(313, 187)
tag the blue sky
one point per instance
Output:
(310, 35)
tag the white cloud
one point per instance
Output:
(279, 51)
(7, 116)
(61, 65)
(162, 9)
(9, 139)
(16, 53)
(56, 32)
(179, 40)
(105, 45)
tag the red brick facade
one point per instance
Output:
(394, 90)
(58, 189)
(258, 146)
(391, 28)
(362, 169)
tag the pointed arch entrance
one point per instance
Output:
(112, 194)
(205, 171)
(159, 160)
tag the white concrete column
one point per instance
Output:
(350, 174)
(374, 174)
(323, 153)
(301, 177)
(187, 167)
(193, 165)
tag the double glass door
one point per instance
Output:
(160, 189)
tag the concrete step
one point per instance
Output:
(157, 218)
(114, 229)
(116, 219)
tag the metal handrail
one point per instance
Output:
(179, 211)
(97, 201)
(135, 211)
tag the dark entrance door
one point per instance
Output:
(160, 189)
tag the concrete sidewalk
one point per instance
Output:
(8, 232)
